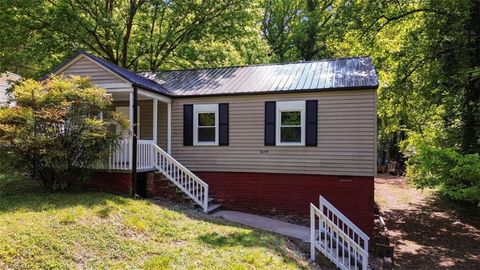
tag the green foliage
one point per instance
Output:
(36, 35)
(54, 132)
(457, 176)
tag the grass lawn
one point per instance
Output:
(39, 230)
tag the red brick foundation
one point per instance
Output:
(113, 182)
(157, 185)
(267, 193)
(291, 194)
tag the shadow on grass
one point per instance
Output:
(250, 237)
(246, 239)
(20, 193)
(436, 234)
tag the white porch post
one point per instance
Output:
(169, 128)
(155, 120)
(130, 118)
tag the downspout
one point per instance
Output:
(134, 141)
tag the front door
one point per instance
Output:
(126, 113)
(123, 151)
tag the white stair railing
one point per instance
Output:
(145, 154)
(337, 237)
(182, 177)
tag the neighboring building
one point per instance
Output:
(260, 138)
(6, 80)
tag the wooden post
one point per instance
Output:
(169, 128)
(312, 233)
(155, 120)
(134, 114)
(130, 120)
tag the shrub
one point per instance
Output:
(457, 176)
(54, 133)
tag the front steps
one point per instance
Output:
(158, 185)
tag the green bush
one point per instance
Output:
(457, 176)
(54, 133)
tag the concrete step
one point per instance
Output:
(210, 200)
(213, 208)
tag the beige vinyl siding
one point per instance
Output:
(146, 120)
(346, 136)
(162, 125)
(99, 75)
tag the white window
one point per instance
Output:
(290, 125)
(205, 123)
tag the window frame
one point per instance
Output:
(204, 108)
(290, 106)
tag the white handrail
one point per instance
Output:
(345, 245)
(340, 220)
(145, 154)
(182, 177)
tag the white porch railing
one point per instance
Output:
(120, 158)
(337, 237)
(182, 177)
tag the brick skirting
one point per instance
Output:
(284, 194)
(114, 182)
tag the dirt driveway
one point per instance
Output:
(428, 232)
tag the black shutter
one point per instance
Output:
(223, 124)
(311, 123)
(187, 124)
(270, 118)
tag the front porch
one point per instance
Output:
(149, 115)
(147, 146)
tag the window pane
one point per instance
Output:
(290, 134)
(291, 118)
(206, 134)
(206, 119)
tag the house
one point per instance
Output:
(6, 80)
(258, 138)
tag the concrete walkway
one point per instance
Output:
(267, 224)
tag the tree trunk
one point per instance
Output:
(471, 99)
(310, 48)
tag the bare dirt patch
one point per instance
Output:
(428, 231)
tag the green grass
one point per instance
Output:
(39, 230)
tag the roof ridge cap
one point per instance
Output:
(256, 65)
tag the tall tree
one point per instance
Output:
(471, 99)
(426, 53)
(302, 29)
(313, 28)
(278, 20)
(136, 34)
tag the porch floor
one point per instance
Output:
(267, 224)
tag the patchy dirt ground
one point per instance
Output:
(428, 231)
